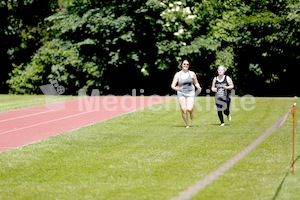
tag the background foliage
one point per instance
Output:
(121, 45)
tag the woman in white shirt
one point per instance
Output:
(184, 83)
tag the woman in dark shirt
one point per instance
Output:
(221, 85)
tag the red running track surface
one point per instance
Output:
(27, 125)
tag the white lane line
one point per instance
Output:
(20, 117)
(46, 122)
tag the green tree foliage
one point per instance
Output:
(22, 27)
(252, 38)
(60, 61)
(112, 38)
(119, 45)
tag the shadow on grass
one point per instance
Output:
(281, 183)
(196, 124)
(219, 124)
(191, 126)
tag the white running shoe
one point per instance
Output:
(222, 124)
(229, 118)
(187, 127)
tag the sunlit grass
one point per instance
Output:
(149, 154)
(10, 102)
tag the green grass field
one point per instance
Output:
(149, 154)
(9, 102)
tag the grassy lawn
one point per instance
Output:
(10, 102)
(149, 154)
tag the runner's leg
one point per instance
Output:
(183, 107)
(190, 106)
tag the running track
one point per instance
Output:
(27, 125)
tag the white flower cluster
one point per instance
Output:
(176, 8)
(179, 32)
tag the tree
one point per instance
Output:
(119, 45)
(251, 38)
(22, 28)
(101, 38)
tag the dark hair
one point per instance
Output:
(183, 59)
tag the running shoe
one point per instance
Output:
(229, 118)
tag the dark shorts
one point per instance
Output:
(222, 103)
